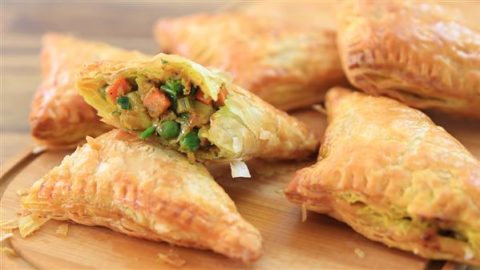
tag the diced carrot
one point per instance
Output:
(222, 95)
(118, 88)
(200, 96)
(156, 102)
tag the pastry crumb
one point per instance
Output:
(38, 149)
(5, 235)
(319, 108)
(360, 253)
(8, 251)
(469, 254)
(62, 230)
(22, 192)
(172, 258)
(304, 212)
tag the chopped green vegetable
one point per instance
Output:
(124, 102)
(183, 117)
(173, 87)
(193, 91)
(116, 112)
(103, 91)
(164, 61)
(184, 105)
(190, 142)
(147, 132)
(169, 129)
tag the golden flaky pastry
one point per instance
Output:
(394, 176)
(191, 109)
(288, 65)
(415, 51)
(144, 190)
(59, 117)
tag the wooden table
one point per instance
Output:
(116, 22)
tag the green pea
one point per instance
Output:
(124, 102)
(190, 142)
(169, 129)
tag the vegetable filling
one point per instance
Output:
(175, 110)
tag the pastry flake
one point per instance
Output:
(59, 117)
(395, 177)
(414, 51)
(144, 190)
(288, 65)
(192, 109)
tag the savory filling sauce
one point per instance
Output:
(175, 110)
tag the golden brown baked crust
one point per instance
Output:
(414, 51)
(287, 65)
(394, 176)
(143, 190)
(59, 117)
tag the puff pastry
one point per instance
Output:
(144, 190)
(59, 117)
(288, 65)
(390, 173)
(192, 109)
(415, 51)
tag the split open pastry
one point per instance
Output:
(193, 110)
(394, 176)
(59, 117)
(144, 190)
(415, 51)
(288, 65)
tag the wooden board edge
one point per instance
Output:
(15, 161)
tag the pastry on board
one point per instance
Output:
(417, 52)
(142, 189)
(395, 177)
(193, 110)
(59, 118)
(288, 65)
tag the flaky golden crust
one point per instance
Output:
(59, 117)
(143, 190)
(414, 51)
(394, 176)
(245, 127)
(287, 65)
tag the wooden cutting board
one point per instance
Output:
(289, 243)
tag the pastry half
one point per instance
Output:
(288, 65)
(144, 190)
(414, 51)
(59, 117)
(192, 109)
(394, 176)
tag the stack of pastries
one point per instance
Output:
(384, 167)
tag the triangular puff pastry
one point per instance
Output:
(415, 51)
(191, 109)
(59, 117)
(289, 65)
(143, 190)
(394, 176)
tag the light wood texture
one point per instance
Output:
(320, 242)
